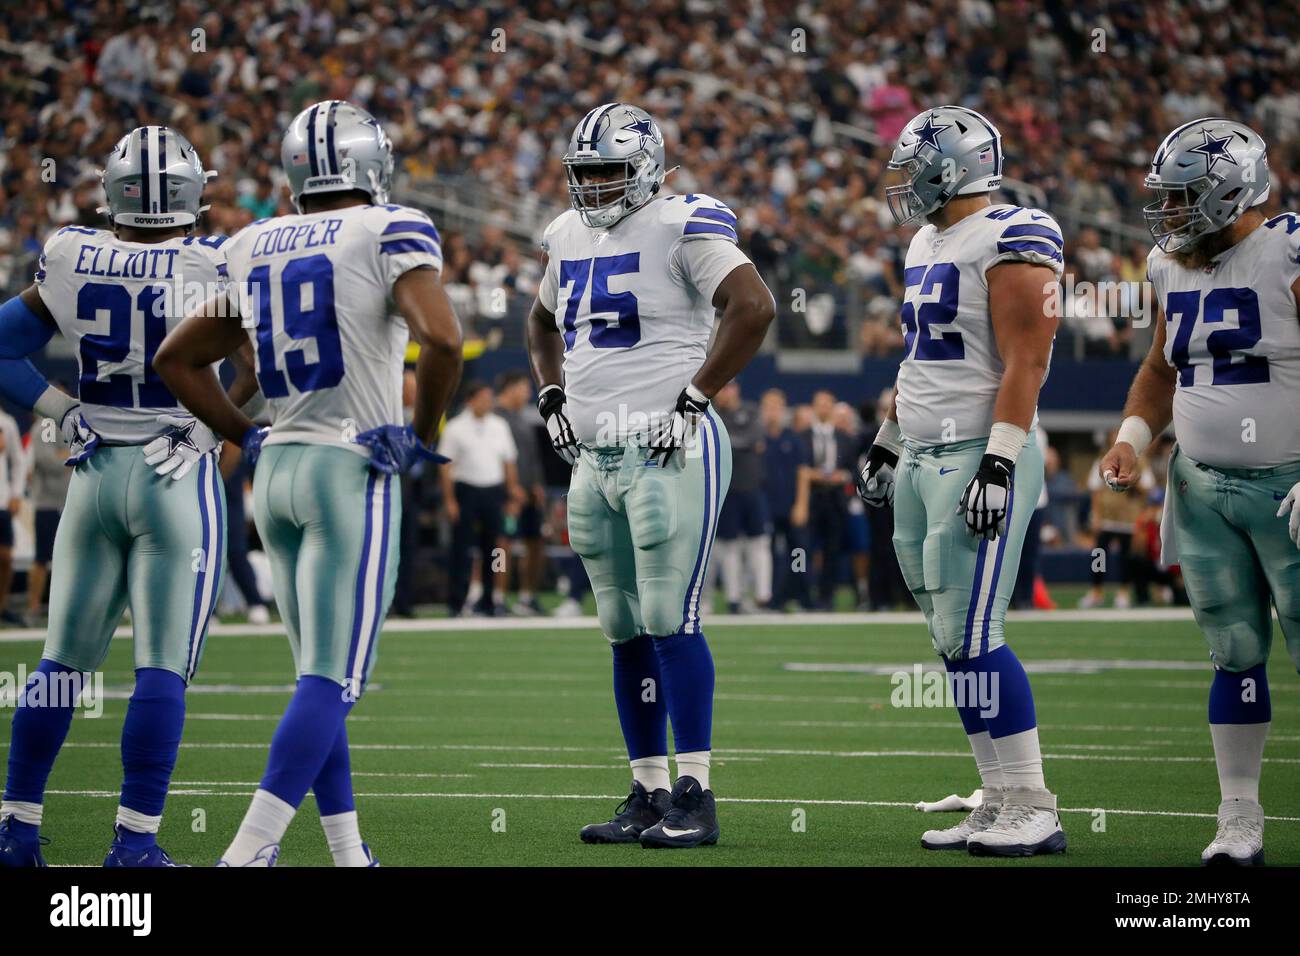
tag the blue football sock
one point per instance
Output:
(151, 735)
(333, 785)
(305, 738)
(38, 732)
(644, 722)
(967, 708)
(1234, 701)
(686, 668)
(1001, 689)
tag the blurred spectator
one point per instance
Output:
(236, 474)
(1061, 518)
(857, 537)
(1147, 567)
(886, 587)
(13, 478)
(832, 453)
(477, 485)
(786, 483)
(49, 489)
(515, 405)
(744, 535)
(1113, 516)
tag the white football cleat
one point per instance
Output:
(264, 857)
(978, 820)
(1240, 837)
(258, 614)
(1027, 825)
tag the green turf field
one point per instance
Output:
(493, 746)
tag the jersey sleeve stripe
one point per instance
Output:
(396, 246)
(697, 228)
(413, 225)
(717, 215)
(1040, 247)
(1029, 229)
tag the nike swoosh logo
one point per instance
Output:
(946, 471)
(625, 829)
(670, 832)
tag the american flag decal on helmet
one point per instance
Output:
(131, 190)
(298, 159)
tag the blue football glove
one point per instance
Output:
(252, 443)
(395, 449)
(81, 438)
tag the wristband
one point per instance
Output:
(1136, 432)
(1006, 440)
(695, 395)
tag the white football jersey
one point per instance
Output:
(951, 370)
(315, 294)
(635, 306)
(1232, 332)
(115, 301)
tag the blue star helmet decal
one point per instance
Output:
(643, 128)
(928, 135)
(1214, 149)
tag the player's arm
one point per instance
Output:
(1147, 412)
(26, 325)
(746, 310)
(546, 360)
(1024, 301)
(876, 483)
(429, 314)
(185, 362)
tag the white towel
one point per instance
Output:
(952, 802)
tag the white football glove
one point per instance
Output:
(176, 450)
(81, 438)
(550, 402)
(876, 483)
(1289, 507)
(676, 430)
(984, 502)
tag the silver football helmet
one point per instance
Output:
(334, 146)
(1206, 174)
(620, 140)
(154, 179)
(943, 152)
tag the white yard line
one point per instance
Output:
(767, 801)
(440, 624)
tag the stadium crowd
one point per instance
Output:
(784, 111)
(779, 109)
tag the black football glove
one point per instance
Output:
(876, 483)
(558, 427)
(676, 430)
(984, 502)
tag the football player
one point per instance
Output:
(144, 521)
(328, 298)
(619, 346)
(1224, 366)
(956, 455)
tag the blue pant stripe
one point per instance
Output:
(691, 605)
(386, 491)
(997, 570)
(197, 616)
(974, 598)
(359, 594)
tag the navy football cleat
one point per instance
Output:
(641, 809)
(692, 820)
(119, 854)
(18, 849)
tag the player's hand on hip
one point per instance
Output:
(82, 440)
(177, 449)
(395, 449)
(551, 404)
(876, 483)
(984, 502)
(1119, 467)
(251, 444)
(676, 429)
(1289, 508)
